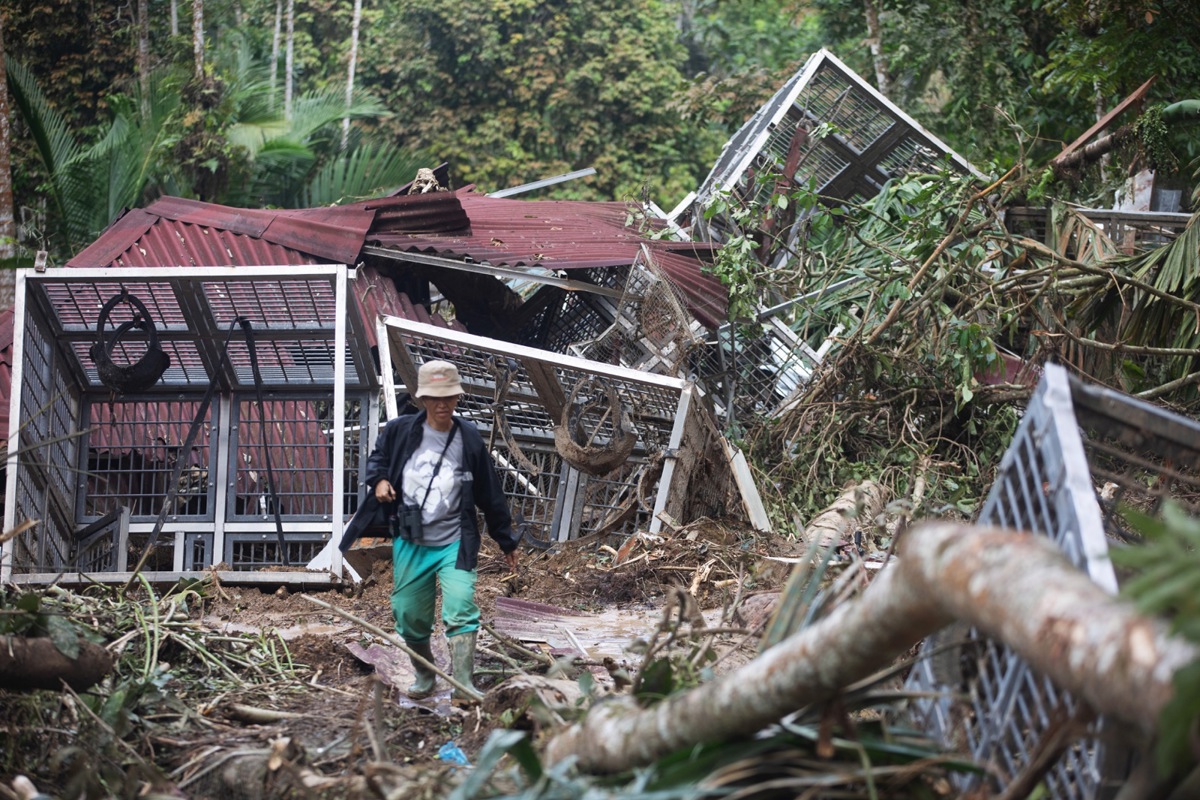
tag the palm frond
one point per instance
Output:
(55, 145)
(366, 171)
(316, 110)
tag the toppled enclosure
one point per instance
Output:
(828, 132)
(1082, 456)
(582, 447)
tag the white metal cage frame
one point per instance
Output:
(1079, 451)
(320, 400)
(516, 396)
(867, 139)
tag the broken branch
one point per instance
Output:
(1015, 587)
(398, 643)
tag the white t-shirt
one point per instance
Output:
(440, 509)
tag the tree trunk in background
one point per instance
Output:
(275, 51)
(8, 224)
(174, 17)
(1017, 588)
(350, 71)
(143, 57)
(289, 60)
(198, 37)
(875, 41)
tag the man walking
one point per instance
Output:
(434, 467)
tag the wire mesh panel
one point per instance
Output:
(275, 305)
(581, 317)
(530, 473)
(300, 447)
(518, 396)
(101, 546)
(132, 450)
(47, 445)
(650, 328)
(613, 504)
(77, 307)
(1048, 483)
(293, 320)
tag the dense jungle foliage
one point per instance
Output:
(510, 91)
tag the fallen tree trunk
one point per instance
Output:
(856, 507)
(1017, 588)
(35, 663)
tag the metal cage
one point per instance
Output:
(516, 396)
(95, 467)
(1080, 454)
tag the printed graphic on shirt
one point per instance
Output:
(439, 511)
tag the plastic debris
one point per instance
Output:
(453, 753)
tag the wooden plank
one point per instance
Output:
(1106, 120)
(545, 382)
(751, 500)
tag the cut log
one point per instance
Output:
(35, 663)
(1017, 588)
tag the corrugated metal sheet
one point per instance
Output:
(175, 232)
(563, 234)
(543, 234)
(377, 296)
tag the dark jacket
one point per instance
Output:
(481, 487)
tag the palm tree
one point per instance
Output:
(272, 161)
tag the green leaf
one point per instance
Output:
(63, 635)
(587, 683)
(29, 602)
(656, 681)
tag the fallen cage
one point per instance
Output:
(648, 464)
(93, 466)
(1080, 455)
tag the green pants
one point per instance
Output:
(416, 571)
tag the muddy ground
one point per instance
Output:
(343, 725)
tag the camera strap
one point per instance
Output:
(438, 467)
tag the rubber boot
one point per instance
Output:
(426, 678)
(462, 660)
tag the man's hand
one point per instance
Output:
(384, 492)
(511, 560)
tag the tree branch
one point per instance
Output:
(1015, 587)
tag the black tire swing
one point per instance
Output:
(128, 378)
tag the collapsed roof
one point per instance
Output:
(463, 231)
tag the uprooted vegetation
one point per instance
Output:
(915, 397)
(942, 306)
(214, 693)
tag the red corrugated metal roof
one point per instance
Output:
(562, 234)
(548, 234)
